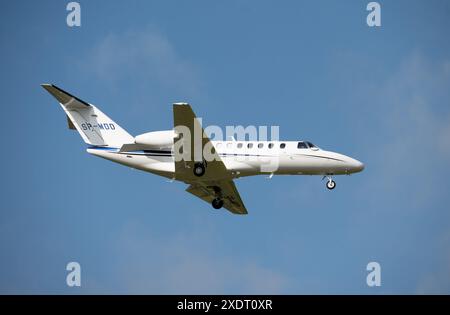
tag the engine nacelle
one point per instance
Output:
(156, 139)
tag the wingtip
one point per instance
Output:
(181, 104)
(46, 86)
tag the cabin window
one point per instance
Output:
(260, 145)
(311, 145)
(282, 145)
(250, 145)
(270, 145)
(239, 145)
(301, 145)
(219, 144)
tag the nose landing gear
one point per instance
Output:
(331, 184)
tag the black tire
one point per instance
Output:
(331, 184)
(199, 169)
(217, 203)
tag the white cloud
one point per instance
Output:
(436, 281)
(188, 264)
(412, 143)
(145, 58)
(407, 169)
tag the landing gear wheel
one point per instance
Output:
(331, 184)
(217, 203)
(199, 169)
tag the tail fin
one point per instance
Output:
(93, 125)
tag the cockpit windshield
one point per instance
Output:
(306, 145)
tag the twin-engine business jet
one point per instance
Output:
(208, 167)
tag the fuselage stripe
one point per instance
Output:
(170, 153)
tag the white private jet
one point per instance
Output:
(178, 155)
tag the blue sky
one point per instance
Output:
(314, 68)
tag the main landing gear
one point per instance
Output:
(199, 169)
(217, 203)
(331, 184)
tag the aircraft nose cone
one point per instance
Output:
(357, 166)
(353, 165)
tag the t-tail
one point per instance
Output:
(93, 125)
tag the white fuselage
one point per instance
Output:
(244, 158)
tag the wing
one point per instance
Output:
(192, 145)
(225, 189)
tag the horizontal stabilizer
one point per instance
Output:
(129, 147)
(68, 100)
(70, 124)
